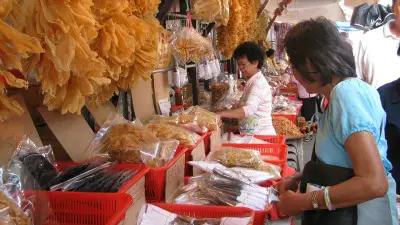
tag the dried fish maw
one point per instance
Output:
(13, 81)
(144, 7)
(62, 53)
(5, 8)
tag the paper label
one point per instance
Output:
(165, 106)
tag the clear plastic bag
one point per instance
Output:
(211, 10)
(186, 121)
(18, 203)
(225, 94)
(131, 143)
(103, 179)
(32, 161)
(239, 139)
(204, 117)
(188, 45)
(180, 77)
(246, 158)
(174, 132)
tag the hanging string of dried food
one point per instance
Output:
(13, 46)
(93, 47)
(243, 26)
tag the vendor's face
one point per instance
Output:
(246, 67)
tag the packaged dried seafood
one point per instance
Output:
(204, 117)
(225, 190)
(39, 163)
(285, 127)
(169, 131)
(190, 46)
(246, 158)
(188, 122)
(129, 142)
(225, 94)
(159, 216)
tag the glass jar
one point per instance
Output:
(178, 97)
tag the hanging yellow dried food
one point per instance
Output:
(243, 26)
(144, 8)
(13, 46)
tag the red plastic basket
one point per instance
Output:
(277, 150)
(271, 139)
(197, 211)
(142, 171)
(156, 178)
(75, 208)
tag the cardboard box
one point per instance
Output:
(216, 140)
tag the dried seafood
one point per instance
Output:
(13, 46)
(185, 137)
(285, 127)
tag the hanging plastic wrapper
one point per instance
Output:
(131, 143)
(190, 46)
(180, 77)
(204, 70)
(32, 161)
(155, 215)
(211, 10)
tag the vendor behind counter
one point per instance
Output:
(254, 112)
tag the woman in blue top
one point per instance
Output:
(350, 132)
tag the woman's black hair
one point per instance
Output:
(270, 52)
(319, 42)
(252, 51)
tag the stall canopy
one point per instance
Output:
(336, 10)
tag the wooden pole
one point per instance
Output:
(262, 8)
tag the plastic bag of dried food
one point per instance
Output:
(204, 117)
(124, 141)
(180, 77)
(246, 158)
(104, 178)
(166, 150)
(188, 45)
(211, 10)
(30, 160)
(169, 131)
(225, 94)
(189, 122)
(20, 205)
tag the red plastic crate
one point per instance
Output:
(198, 211)
(142, 171)
(278, 150)
(156, 178)
(273, 139)
(75, 208)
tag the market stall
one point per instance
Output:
(113, 115)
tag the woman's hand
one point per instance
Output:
(289, 183)
(292, 203)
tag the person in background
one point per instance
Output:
(349, 159)
(378, 52)
(254, 112)
(310, 101)
(390, 97)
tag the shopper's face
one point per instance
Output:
(311, 87)
(246, 67)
